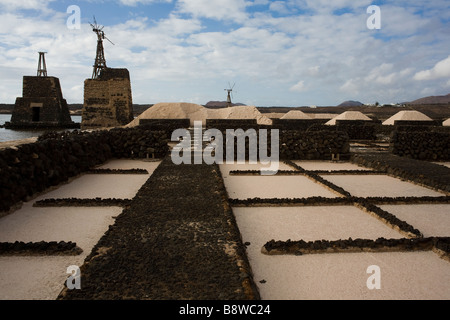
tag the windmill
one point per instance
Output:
(100, 61)
(230, 94)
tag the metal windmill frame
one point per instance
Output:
(100, 61)
(230, 94)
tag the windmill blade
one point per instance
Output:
(109, 40)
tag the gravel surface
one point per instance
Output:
(177, 240)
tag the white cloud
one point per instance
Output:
(298, 87)
(178, 58)
(12, 5)
(326, 6)
(136, 2)
(214, 9)
(440, 70)
(279, 6)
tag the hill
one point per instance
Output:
(221, 104)
(432, 100)
(350, 103)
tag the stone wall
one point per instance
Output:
(297, 124)
(293, 144)
(422, 145)
(107, 100)
(316, 145)
(31, 168)
(167, 125)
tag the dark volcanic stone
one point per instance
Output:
(177, 240)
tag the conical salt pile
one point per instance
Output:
(407, 115)
(296, 114)
(274, 115)
(172, 110)
(239, 112)
(195, 112)
(446, 123)
(348, 115)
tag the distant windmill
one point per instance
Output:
(42, 67)
(100, 61)
(230, 94)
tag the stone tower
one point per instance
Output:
(107, 100)
(107, 95)
(42, 103)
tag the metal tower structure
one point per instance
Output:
(229, 94)
(42, 67)
(100, 61)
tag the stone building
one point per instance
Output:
(107, 99)
(41, 105)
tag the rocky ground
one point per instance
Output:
(177, 240)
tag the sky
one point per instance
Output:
(275, 53)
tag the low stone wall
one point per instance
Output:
(29, 169)
(421, 145)
(293, 144)
(297, 124)
(425, 173)
(316, 145)
(168, 125)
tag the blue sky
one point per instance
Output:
(279, 53)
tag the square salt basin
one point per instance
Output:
(243, 187)
(119, 186)
(433, 220)
(379, 186)
(226, 168)
(329, 166)
(35, 278)
(259, 225)
(43, 277)
(83, 225)
(343, 276)
(335, 275)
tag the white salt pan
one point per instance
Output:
(379, 186)
(242, 187)
(433, 220)
(329, 166)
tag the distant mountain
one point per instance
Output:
(221, 104)
(432, 100)
(350, 103)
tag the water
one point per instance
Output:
(10, 135)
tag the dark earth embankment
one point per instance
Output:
(177, 240)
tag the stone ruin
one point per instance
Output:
(41, 105)
(107, 100)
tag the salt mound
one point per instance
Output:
(239, 112)
(322, 115)
(296, 114)
(407, 115)
(274, 115)
(348, 115)
(195, 112)
(446, 123)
